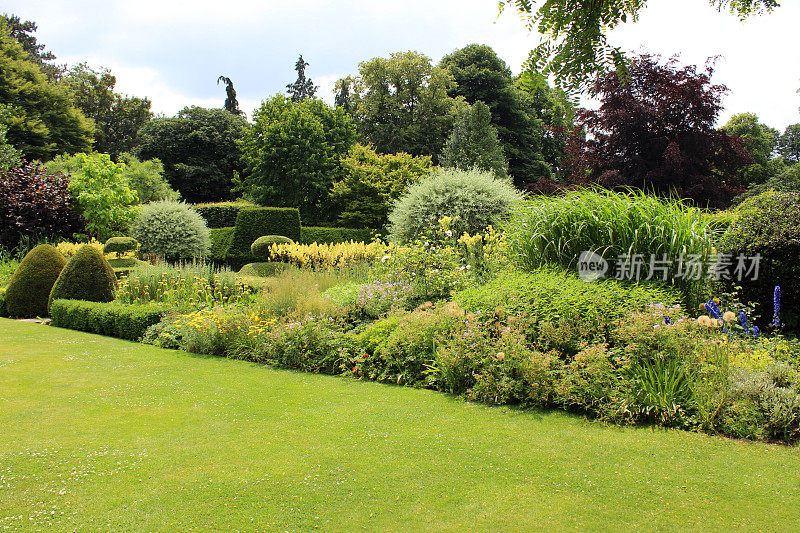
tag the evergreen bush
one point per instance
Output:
(86, 276)
(260, 247)
(171, 229)
(254, 222)
(30, 286)
(473, 198)
(120, 245)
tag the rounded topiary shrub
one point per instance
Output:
(87, 276)
(120, 245)
(260, 247)
(474, 199)
(171, 229)
(769, 225)
(30, 286)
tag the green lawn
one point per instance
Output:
(99, 434)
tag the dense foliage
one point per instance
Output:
(401, 104)
(117, 118)
(293, 154)
(101, 190)
(760, 141)
(473, 200)
(655, 131)
(36, 204)
(86, 276)
(473, 144)
(769, 225)
(617, 227)
(171, 229)
(106, 318)
(198, 148)
(371, 183)
(43, 119)
(254, 222)
(146, 179)
(29, 290)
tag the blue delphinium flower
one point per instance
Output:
(756, 332)
(776, 306)
(667, 321)
(713, 309)
(743, 320)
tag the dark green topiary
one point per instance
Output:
(769, 225)
(253, 223)
(120, 245)
(30, 286)
(87, 276)
(260, 247)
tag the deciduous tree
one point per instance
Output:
(293, 153)
(199, 150)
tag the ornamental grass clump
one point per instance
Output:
(555, 231)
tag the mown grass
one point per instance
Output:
(98, 434)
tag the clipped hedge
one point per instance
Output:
(112, 319)
(220, 242)
(254, 222)
(87, 276)
(312, 234)
(260, 247)
(120, 245)
(30, 286)
(222, 214)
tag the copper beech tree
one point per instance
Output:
(655, 131)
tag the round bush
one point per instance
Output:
(87, 276)
(171, 229)
(260, 247)
(769, 224)
(474, 199)
(30, 286)
(120, 245)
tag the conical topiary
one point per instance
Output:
(28, 292)
(87, 276)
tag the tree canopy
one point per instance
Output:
(474, 143)
(42, 120)
(574, 44)
(118, 118)
(293, 154)
(759, 140)
(401, 104)
(199, 150)
(655, 131)
(23, 32)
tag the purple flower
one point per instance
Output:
(776, 306)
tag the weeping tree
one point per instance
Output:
(231, 104)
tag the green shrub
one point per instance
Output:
(260, 247)
(222, 214)
(111, 319)
(3, 311)
(146, 178)
(252, 223)
(171, 229)
(264, 269)
(557, 309)
(555, 231)
(120, 245)
(29, 290)
(220, 242)
(86, 276)
(769, 225)
(311, 234)
(474, 199)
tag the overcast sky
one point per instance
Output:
(172, 51)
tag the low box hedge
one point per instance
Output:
(111, 319)
(312, 234)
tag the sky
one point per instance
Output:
(173, 51)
